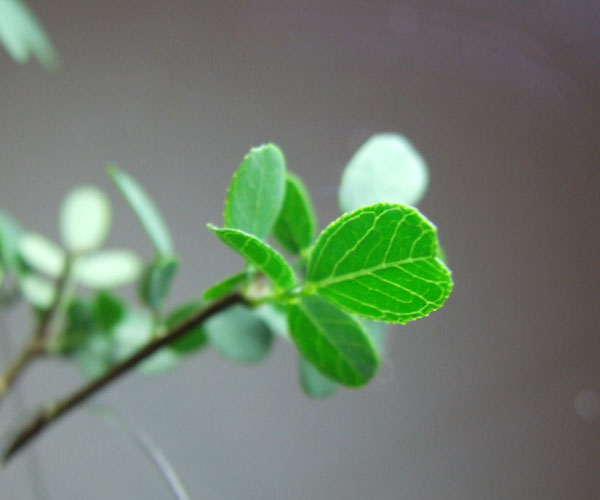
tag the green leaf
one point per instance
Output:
(41, 254)
(108, 269)
(377, 332)
(386, 168)
(239, 335)
(295, 227)
(265, 258)
(274, 318)
(157, 281)
(10, 234)
(380, 263)
(224, 287)
(256, 192)
(23, 36)
(333, 341)
(37, 291)
(85, 219)
(144, 208)
(193, 340)
(80, 326)
(313, 382)
(94, 357)
(108, 311)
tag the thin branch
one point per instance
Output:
(52, 413)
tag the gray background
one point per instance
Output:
(475, 402)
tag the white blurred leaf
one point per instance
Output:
(37, 291)
(41, 254)
(108, 269)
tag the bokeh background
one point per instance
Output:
(494, 397)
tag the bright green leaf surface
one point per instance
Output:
(37, 291)
(85, 219)
(313, 382)
(196, 338)
(333, 341)
(256, 192)
(10, 234)
(386, 168)
(108, 311)
(108, 269)
(41, 254)
(224, 287)
(157, 281)
(380, 263)
(144, 208)
(265, 258)
(296, 225)
(239, 335)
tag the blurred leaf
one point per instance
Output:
(108, 311)
(95, 356)
(224, 287)
(195, 339)
(296, 224)
(274, 318)
(313, 382)
(256, 192)
(23, 36)
(157, 280)
(37, 291)
(239, 335)
(80, 326)
(42, 254)
(108, 269)
(265, 258)
(386, 168)
(380, 262)
(333, 341)
(144, 208)
(377, 332)
(85, 219)
(10, 234)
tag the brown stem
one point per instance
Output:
(52, 413)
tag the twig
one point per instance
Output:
(52, 413)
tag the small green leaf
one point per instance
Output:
(224, 287)
(85, 219)
(313, 382)
(157, 281)
(239, 335)
(10, 234)
(108, 269)
(193, 340)
(256, 192)
(23, 36)
(80, 326)
(41, 254)
(108, 311)
(95, 356)
(380, 262)
(386, 168)
(264, 257)
(144, 208)
(296, 224)
(37, 291)
(274, 318)
(333, 341)
(377, 332)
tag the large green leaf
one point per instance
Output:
(256, 192)
(194, 339)
(380, 262)
(108, 269)
(85, 219)
(239, 335)
(265, 258)
(144, 208)
(313, 382)
(10, 234)
(333, 341)
(224, 287)
(41, 254)
(385, 168)
(157, 281)
(296, 225)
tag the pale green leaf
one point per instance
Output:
(275, 318)
(296, 225)
(256, 192)
(85, 219)
(157, 281)
(377, 332)
(224, 287)
(10, 234)
(333, 341)
(42, 254)
(108, 269)
(313, 382)
(144, 208)
(37, 291)
(195, 338)
(265, 258)
(239, 335)
(380, 262)
(386, 168)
